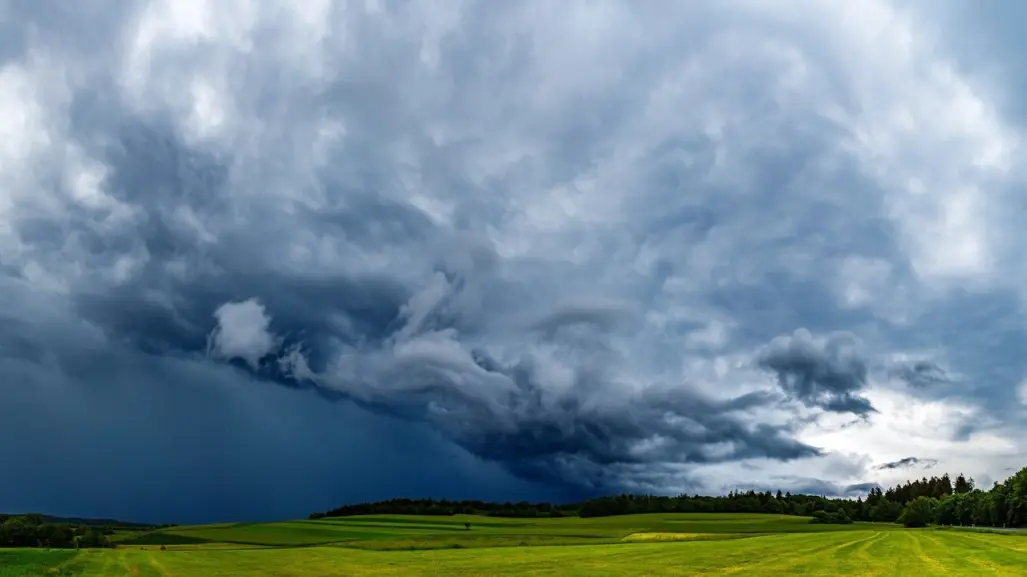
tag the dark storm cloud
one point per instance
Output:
(559, 418)
(392, 348)
(158, 175)
(198, 442)
(921, 374)
(532, 239)
(597, 317)
(982, 364)
(828, 373)
(907, 463)
(353, 333)
(537, 435)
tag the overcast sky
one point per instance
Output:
(260, 258)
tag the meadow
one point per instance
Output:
(652, 544)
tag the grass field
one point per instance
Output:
(409, 532)
(685, 544)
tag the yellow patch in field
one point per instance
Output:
(649, 537)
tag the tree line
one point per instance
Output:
(936, 499)
(1004, 505)
(35, 530)
(446, 507)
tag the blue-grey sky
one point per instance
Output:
(260, 258)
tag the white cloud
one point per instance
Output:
(933, 141)
(23, 135)
(907, 426)
(242, 332)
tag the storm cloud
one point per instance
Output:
(921, 374)
(827, 373)
(908, 463)
(532, 249)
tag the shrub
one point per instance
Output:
(835, 518)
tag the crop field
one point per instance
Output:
(681, 544)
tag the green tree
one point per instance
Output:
(964, 506)
(945, 511)
(59, 535)
(985, 510)
(1014, 496)
(963, 485)
(885, 511)
(18, 532)
(93, 537)
(918, 512)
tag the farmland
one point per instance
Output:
(671, 544)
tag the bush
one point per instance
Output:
(825, 518)
(93, 537)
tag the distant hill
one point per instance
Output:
(113, 523)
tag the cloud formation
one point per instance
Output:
(826, 373)
(908, 463)
(574, 423)
(921, 373)
(566, 247)
(241, 333)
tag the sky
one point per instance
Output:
(262, 258)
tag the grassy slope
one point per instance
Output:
(399, 532)
(827, 553)
(749, 544)
(32, 562)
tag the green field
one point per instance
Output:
(670, 544)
